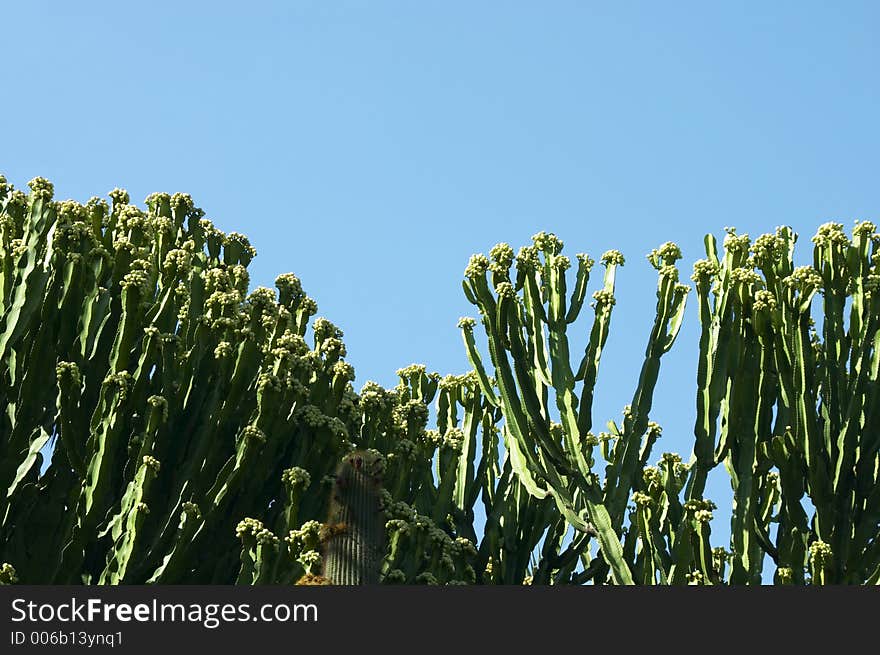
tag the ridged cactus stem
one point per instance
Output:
(355, 547)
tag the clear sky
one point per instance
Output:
(371, 147)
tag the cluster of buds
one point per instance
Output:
(705, 271)
(7, 574)
(548, 243)
(831, 234)
(737, 244)
(527, 260)
(296, 478)
(502, 258)
(768, 249)
(477, 266)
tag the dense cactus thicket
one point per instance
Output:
(162, 424)
(789, 359)
(787, 400)
(171, 400)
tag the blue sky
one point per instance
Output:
(372, 147)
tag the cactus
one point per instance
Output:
(187, 411)
(526, 320)
(796, 388)
(355, 543)
(796, 407)
(180, 397)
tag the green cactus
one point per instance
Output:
(355, 545)
(526, 322)
(180, 397)
(187, 411)
(797, 402)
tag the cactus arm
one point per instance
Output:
(31, 277)
(589, 367)
(562, 377)
(465, 476)
(745, 398)
(475, 360)
(174, 563)
(102, 444)
(712, 352)
(70, 428)
(33, 456)
(612, 551)
(535, 317)
(125, 526)
(585, 264)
